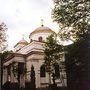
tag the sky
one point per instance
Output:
(23, 16)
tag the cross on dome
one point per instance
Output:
(42, 22)
(22, 36)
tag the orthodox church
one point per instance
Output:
(27, 54)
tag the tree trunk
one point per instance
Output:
(49, 78)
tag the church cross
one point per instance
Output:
(42, 22)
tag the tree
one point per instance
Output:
(3, 37)
(78, 65)
(52, 54)
(2, 58)
(3, 44)
(73, 16)
(33, 85)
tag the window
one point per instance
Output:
(42, 71)
(31, 40)
(40, 39)
(20, 68)
(8, 70)
(57, 72)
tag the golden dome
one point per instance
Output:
(23, 42)
(42, 29)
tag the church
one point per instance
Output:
(27, 54)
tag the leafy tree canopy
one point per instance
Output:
(52, 52)
(73, 17)
(3, 37)
(4, 55)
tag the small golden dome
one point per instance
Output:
(23, 42)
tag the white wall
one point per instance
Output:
(33, 46)
(44, 35)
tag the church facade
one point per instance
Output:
(27, 54)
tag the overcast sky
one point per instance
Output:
(23, 16)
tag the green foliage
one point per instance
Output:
(73, 17)
(4, 55)
(52, 53)
(2, 59)
(3, 37)
(72, 13)
(15, 70)
(33, 85)
(32, 74)
(78, 64)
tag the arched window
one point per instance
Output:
(40, 39)
(57, 72)
(42, 71)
